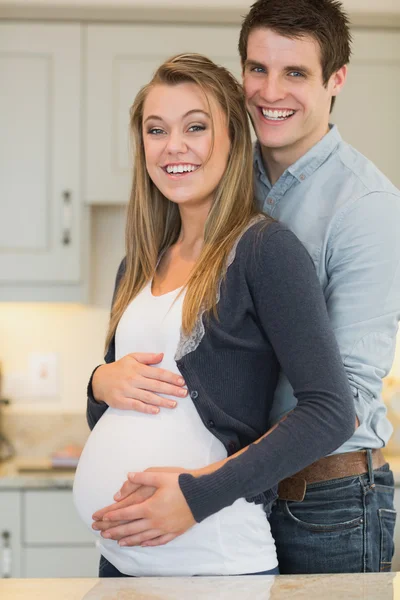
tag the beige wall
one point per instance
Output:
(362, 6)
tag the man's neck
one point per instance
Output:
(277, 160)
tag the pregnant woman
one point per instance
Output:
(229, 297)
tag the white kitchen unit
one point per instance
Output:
(47, 538)
(120, 60)
(41, 219)
(367, 110)
(10, 533)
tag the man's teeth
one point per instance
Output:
(277, 115)
(181, 168)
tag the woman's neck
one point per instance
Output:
(191, 237)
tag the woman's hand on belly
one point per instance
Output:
(131, 383)
(153, 510)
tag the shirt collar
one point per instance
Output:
(307, 164)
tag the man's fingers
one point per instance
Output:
(138, 539)
(127, 489)
(130, 513)
(149, 478)
(160, 541)
(119, 532)
(106, 525)
(98, 515)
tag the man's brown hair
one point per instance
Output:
(324, 20)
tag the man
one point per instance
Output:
(294, 56)
(337, 515)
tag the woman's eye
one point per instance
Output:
(155, 131)
(196, 128)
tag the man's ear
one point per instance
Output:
(338, 80)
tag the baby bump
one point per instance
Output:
(125, 441)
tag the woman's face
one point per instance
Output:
(177, 138)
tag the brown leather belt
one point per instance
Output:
(330, 467)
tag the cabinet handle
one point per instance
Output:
(66, 218)
(6, 554)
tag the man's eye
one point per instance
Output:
(196, 128)
(155, 131)
(257, 70)
(296, 74)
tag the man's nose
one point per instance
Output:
(272, 90)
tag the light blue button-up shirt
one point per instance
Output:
(347, 215)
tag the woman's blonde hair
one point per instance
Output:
(153, 222)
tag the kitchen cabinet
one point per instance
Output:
(120, 60)
(366, 110)
(47, 538)
(41, 219)
(10, 534)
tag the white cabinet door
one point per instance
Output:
(61, 561)
(50, 517)
(120, 60)
(40, 196)
(367, 109)
(10, 534)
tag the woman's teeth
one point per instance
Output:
(180, 168)
(277, 115)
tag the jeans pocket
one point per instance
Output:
(324, 527)
(387, 521)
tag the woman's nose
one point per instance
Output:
(176, 143)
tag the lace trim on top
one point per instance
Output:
(190, 342)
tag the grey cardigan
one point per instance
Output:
(271, 316)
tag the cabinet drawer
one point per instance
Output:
(49, 517)
(61, 562)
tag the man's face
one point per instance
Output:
(285, 95)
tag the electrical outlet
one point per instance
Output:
(44, 378)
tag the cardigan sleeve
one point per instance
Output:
(96, 409)
(292, 313)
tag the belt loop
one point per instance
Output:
(370, 468)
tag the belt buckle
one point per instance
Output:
(292, 489)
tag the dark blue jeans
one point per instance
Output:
(106, 569)
(342, 526)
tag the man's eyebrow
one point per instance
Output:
(300, 68)
(253, 63)
(189, 112)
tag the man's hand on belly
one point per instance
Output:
(151, 510)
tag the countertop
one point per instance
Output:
(366, 586)
(24, 473)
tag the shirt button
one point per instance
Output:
(194, 394)
(302, 177)
(211, 424)
(270, 201)
(231, 447)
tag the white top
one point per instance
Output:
(235, 540)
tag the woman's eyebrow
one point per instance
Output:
(194, 110)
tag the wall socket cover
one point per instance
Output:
(44, 376)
